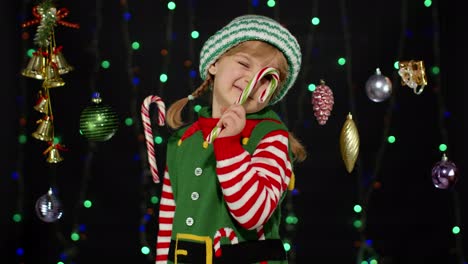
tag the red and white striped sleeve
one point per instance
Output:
(252, 185)
(166, 217)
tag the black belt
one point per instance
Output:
(241, 253)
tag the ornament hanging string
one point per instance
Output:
(145, 117)
(246, 92)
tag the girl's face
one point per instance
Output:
(233, 71)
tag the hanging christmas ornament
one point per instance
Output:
(45, 129)
(42, 103)
(49, 207)
(48, 60)
(98, 122)
(349, 143)
(36, 66)
(378, 87)
(444, 174)
(413, 74)
(60, 62)
(47, 17)
(52, 77)
(322, 102)
(53, 154)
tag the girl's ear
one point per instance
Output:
(212, 69)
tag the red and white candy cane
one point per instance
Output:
(223, 232)
(145, 117)
(246, 92)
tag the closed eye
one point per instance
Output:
(244, 64)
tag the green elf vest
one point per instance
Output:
(200, 206)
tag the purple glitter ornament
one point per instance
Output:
(444, 174)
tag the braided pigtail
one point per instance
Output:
(174, 113)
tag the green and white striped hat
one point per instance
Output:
(254, 27)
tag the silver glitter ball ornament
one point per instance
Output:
(378, 87)
(49, 207)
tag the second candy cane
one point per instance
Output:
(145, 117)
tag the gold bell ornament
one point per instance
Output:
(59, 60)
(45, 130)
(53, 78)
(349, 143)
(36, 66)
(412, 74)
(42, 103)
(53, 154)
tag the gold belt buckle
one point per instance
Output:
(206, 239)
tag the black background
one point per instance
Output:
(408, 220)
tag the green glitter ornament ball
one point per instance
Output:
(98, 122)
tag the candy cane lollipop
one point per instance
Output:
(246, 92)
(223, 232)
(259, 75)
(145, 117)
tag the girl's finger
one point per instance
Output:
(238, 110)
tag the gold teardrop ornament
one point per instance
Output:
(349, 143)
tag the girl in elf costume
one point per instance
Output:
(228, 172)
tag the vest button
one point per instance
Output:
(198, 171)
(195, 196)
(189, 221)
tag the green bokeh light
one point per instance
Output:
(22, 139)
(271, 3)
(163, 77)
(287, 246)
(75, 236)
(158, 140)
(17, 218)
(341, 61)
(171, 5)
(197, 108)
(315, 21)
(145, 250)
(154, 199)
(291, 220)
(442, 147)
(135, 45)
(391, 139)
(435, 70)
(311, 87)
(396, 65)
(357, 223)
(87, 203)
(195, 34)
(357, 208)
(30, 52)
(456, 230)
(105, 64)
(128, 121)
(427, 3)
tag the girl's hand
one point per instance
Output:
(232, 121)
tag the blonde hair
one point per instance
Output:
(258, 49)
